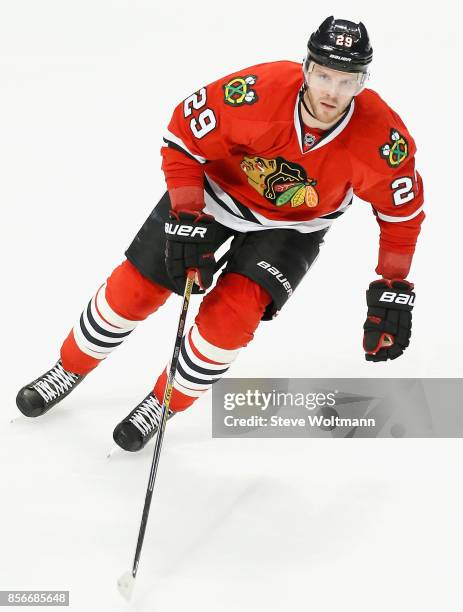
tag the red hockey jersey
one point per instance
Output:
(242, 144)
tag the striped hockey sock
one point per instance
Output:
(98, 332)
(112, 314)
(200, 365)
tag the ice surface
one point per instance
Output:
(234, 524)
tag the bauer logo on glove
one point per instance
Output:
(398, 298)
(190, 238)
(174, 229)
(388, 326)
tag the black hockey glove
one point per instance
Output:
(190, 239)
(388, 326)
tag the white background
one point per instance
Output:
(87, 89)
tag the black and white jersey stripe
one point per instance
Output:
(231, 213)
(328, 135)
(227, 202)
(397, 219)
(175, 142)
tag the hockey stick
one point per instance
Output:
(126, 582)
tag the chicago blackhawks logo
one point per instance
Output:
(396, 151)
(280, 182)
(238, 91)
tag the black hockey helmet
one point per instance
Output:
(341, 45)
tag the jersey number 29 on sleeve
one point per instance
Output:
(205, 122)
(402, 190)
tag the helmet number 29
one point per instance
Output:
(343, 40)
(402, 190)
(205, 122)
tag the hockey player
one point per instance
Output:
(270, 155)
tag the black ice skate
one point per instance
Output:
(140, 425)
(40, 395)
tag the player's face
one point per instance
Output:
(330, 91)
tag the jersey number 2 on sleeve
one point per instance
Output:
(402, 190)
(205, 122)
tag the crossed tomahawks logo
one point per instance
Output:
(396, 151)
(238, 91)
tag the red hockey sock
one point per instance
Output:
(110, 317)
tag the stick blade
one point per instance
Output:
(125, 585)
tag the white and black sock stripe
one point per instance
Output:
(100, 329)
(196, 374)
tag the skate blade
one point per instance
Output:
(125, 585)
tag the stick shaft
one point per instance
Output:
(165, 411)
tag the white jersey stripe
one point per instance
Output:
(394, 219)
(221, 195)
(243, 225)
(179, 142)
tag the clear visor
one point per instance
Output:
(334, 82)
